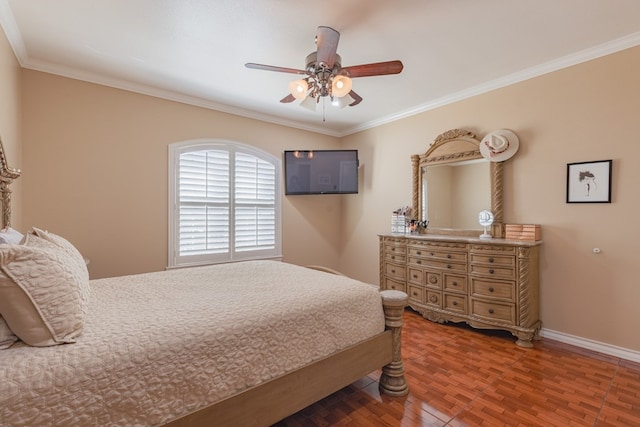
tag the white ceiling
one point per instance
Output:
(194, 51)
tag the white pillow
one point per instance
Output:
(43, 292)
(10, 236)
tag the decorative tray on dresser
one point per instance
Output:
(486, 283)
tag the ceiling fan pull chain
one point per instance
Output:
(324, 119)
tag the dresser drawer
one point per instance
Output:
(494, 311)
(395, 257)
(439, 246)
(395, 248)
(437, 254)
(491, 271)
(457, 303)
(433, 298)
(455, 284)
(416, 275)
(505, 291)
(434, 280)
(497, 260)
(448, 266)
(416, 293)
(394, 284)
(395, 270)
(493, 249)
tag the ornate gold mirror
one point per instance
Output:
(452, 183)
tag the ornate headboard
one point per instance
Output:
(7, 175)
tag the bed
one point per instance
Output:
(232, 344)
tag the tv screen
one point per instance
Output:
(321, 172)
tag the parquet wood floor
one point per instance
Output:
(464, 377)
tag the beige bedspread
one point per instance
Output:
(161, 345)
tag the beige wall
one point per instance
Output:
(11, 120)
(583, 113)
(95, 171)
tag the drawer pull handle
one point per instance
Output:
(418, 253)
(415, 294)
(415, 276)
(455, 303)
(433, 298)
(393, 257)
(393, 271)
(491, 271)
(491, 289)
(491, 311)
(431, 254)
(455, 283)
(491, 259)
(448, 255)
(418, 262)
(448, 265)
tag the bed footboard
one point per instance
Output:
(392, 381)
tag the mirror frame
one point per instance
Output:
(449, 147)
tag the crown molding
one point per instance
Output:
(8, 23)
(10, 27)
(576, 58)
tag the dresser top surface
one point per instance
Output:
(461, 239)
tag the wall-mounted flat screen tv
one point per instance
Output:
(321, 172)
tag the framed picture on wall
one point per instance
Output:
(589, 182)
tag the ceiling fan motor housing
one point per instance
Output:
(321, 75)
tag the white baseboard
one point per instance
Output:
(612, 350)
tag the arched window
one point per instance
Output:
(224, 203)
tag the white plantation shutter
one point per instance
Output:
(203, 194)
(255, 198)
(224, 203)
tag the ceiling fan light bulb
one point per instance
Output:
(299, 88)
(309, 103)
(341, 86)
(341, 102)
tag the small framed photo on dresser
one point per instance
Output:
(589, 182)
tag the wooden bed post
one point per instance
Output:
(392, 381)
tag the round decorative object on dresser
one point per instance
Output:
(485, 218)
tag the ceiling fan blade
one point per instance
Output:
(357, 99)
(376, 69)
(273, 68)
(327, 42)
(287, 99)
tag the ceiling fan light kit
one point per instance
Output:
(325, 75)
(299, 89)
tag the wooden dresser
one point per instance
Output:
(490, 284)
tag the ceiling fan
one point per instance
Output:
(325, 75)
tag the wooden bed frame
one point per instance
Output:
(7, 175)
(270, 402)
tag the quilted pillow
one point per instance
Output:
(43, 295)
(79, 261)
(66, 246)
(7, 337)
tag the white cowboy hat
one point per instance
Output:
(499, 145)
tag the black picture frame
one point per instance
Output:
(589, 182)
